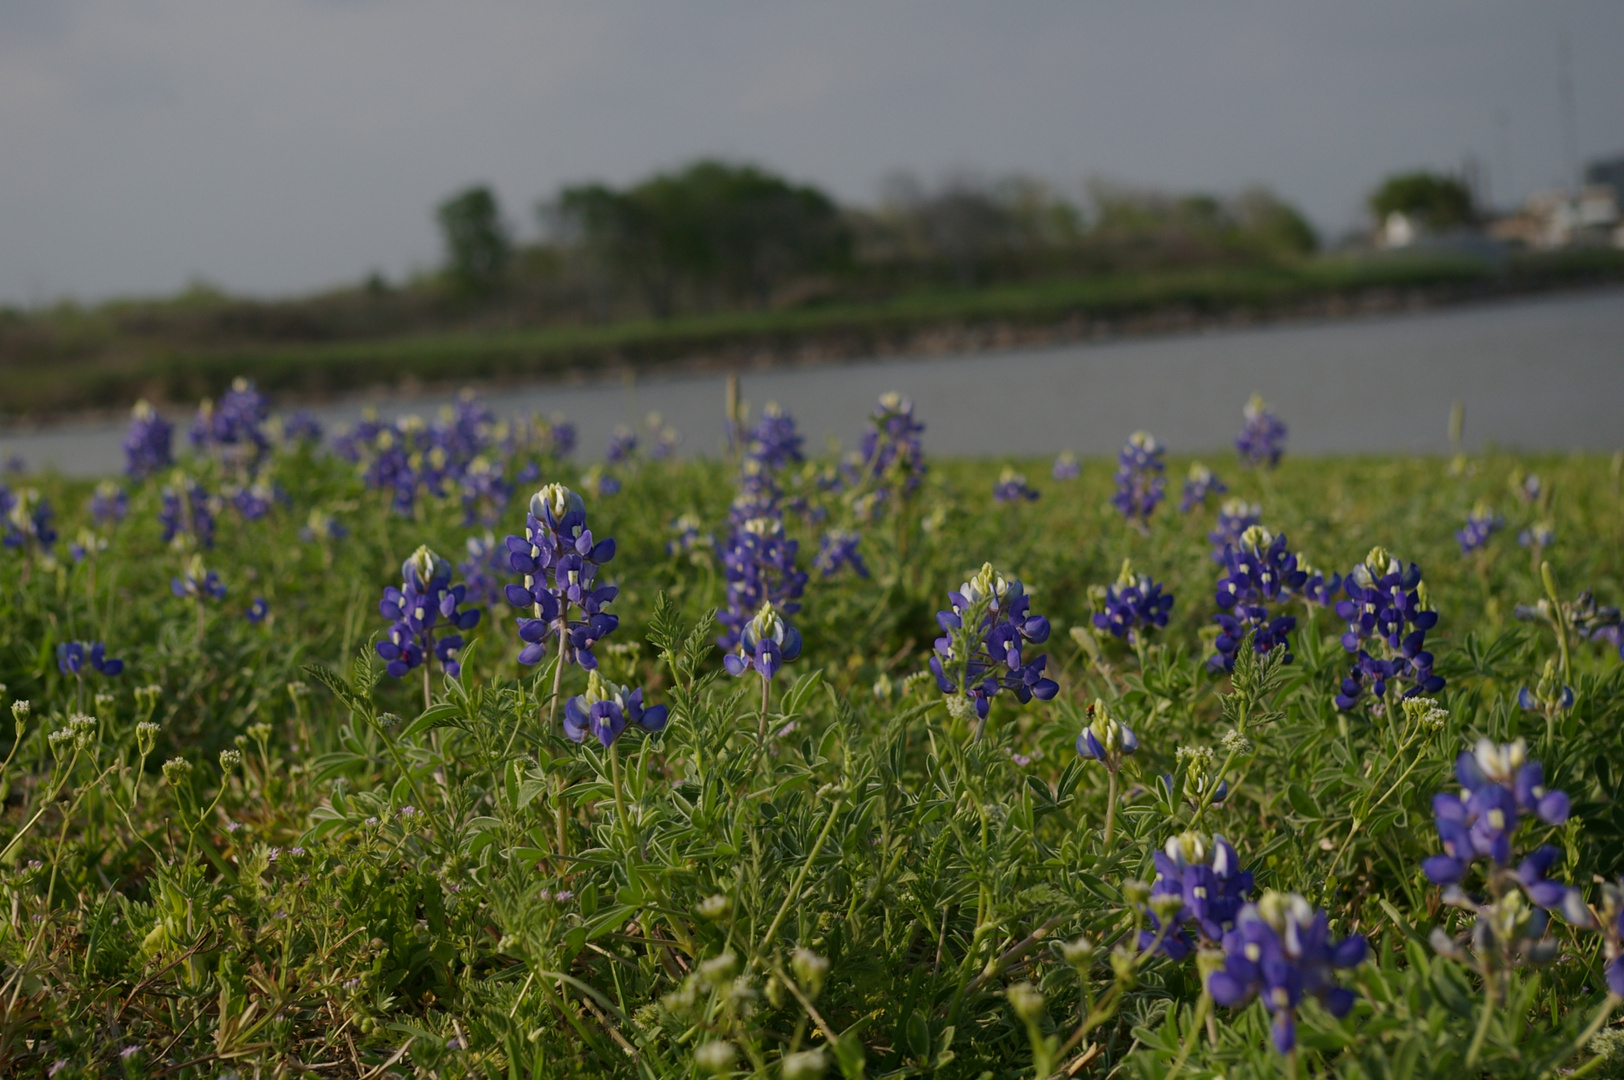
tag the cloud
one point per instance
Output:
(276, 145)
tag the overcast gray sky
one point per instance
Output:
(274, 146)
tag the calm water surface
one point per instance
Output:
(1544, 374)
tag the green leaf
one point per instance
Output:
(1302, 802)
(433, 717)
(795, 700)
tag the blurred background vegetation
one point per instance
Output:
(726, 259)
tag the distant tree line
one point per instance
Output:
(715, 236)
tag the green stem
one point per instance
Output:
(1483, 1021)
(800, 878)
(620, 796)
(1110, 806)
(1201, 1009)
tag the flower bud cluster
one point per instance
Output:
(1263, 436)
(425, 597)
(1388, 615)
(1258, 571)
(1134, 606)
(560, 560)
(986, 632)
(1140, 481)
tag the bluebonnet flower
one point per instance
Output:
(1537, 536)
(666, 438)
(1065, 467)
(187, 513)
(1317, 588)
(302, 427)
(839, 548)
(1481, 524)
(252, 502)
(109, 503)
(86, 545)
(322, 526)
(1258, 571)
(147, 445)
(605, 711)
(1201, 783)
(1235, 516)
(27, 522)
(1139, 479)
(1263, 437)
(774, 441)
(560, 561)
(1498, 785)
(1281, 951)
(1387, 611)
(622, 444)
(257, 611)
(600, 481)
(1200, 485)
(766, 644)
(563, 438)
(1527, 488)
(198, 582)
(485, 491)
(1105, 739)
(1549, 696)
(1133, 606)
(891, 451)
(759, 564)
(234, 426)
(982, 652)
(1199, 886)
(482, 571)
(73, 656)
(15, 464)
(425, 597)
(1612, 928)
(1012, 487)
(686, 536)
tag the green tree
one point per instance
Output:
(1436, 201)
(477, 244)
(711, 228)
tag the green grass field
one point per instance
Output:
(367, 883)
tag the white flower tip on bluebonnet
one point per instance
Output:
(1199, 473)
(557, 498)
(1256, 538)
(600, 689)
(1187, 848)
(1144, 440)
(988, 583)
(425, 563)
(1255, 407)
(1284, 911)
(1500, 761)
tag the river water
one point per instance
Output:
(1540, 374)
